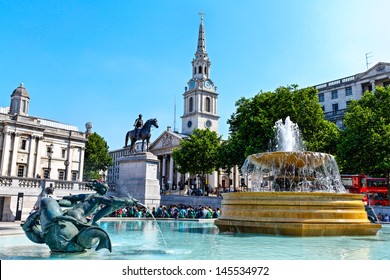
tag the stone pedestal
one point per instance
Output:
(138, 178)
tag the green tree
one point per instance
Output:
(252, 125)
(96, 156)
(198, 154)
(365, 142)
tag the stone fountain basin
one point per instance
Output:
(295, 214)
(286, 159)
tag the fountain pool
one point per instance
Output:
(193, 240)
(294, 193)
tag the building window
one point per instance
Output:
(208, 104)
(191, 104)
(21, 169)
(46, 173)
(200, 70)
(323, 108)
(61, 174)
(321, 97)
(24, 106)
(74, 175)
(348, 91)
(63, 153)
(334, 94)
(23, 144)
(348, 102)
(335, 108)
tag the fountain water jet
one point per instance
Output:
(294, 192)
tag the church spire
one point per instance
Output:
(201, 38)
(201, 96)
(201, 63)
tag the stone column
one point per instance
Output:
(38, 152)
(163, 173)
(178, 178)
(5, 155)
(69, 157)
(170, 172)
(14, 154)
(81, 164)
(31, 154)
(373, 85)
(186, 179)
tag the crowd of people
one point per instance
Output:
(383, 218)
(173, 211)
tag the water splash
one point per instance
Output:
(288, 137)
(290, 167)
(155, 220)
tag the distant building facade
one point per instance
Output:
(37, 147)
(35, 152)
(334, 96)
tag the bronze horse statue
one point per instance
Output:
(143, 135)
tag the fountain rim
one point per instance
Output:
(260, 194)
(299, 159)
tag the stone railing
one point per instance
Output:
(35, 183)
(335, 114)
(336, 82)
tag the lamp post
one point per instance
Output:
(49, 155)
(66, 163)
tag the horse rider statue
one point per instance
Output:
(138, 124)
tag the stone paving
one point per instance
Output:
(10, 228)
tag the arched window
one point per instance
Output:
(194, 71)
(191, 104)
(205, 70)
(200, 70)
(208, 104)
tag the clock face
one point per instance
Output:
(207, 84)
(208, 123)
(191, 84)
(189, 124)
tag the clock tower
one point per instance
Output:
(200, 96)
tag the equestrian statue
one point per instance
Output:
(74, 229)
(141, 132)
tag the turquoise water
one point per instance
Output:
(192, 240)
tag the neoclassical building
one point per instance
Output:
(35, 152)
(334, 96)
(37, 147)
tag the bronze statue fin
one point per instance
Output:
(89, 236)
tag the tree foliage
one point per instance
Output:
(365, 142)
(252, 125)
(96, 156)
(198, 154)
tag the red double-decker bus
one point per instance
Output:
(375, 190)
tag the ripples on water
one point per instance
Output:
(141, 240)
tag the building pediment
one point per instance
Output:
(166, 141)
(375, 71)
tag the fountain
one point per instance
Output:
(294, 192)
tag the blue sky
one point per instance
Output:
(107, 61)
